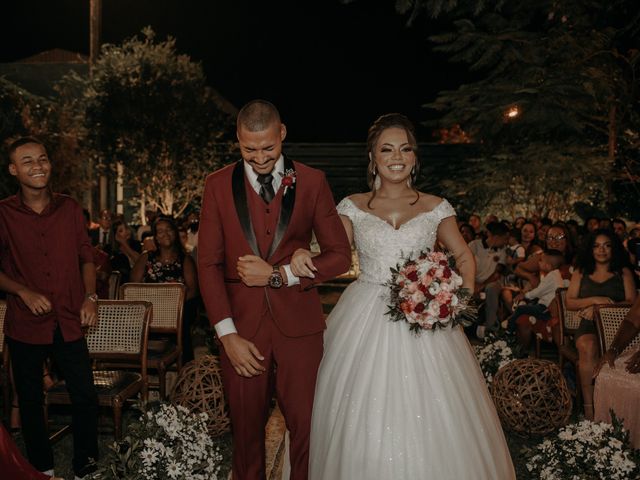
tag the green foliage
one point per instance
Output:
(147, 107)
(542, 179)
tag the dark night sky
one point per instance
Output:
(330, 68)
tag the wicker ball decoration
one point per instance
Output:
(199, 388)
(531, 396)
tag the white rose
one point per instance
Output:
(434, 289)
(418, 297)
(433, 309)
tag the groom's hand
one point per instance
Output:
(302, 264)
(244, 356)
(254, 271)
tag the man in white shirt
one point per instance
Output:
(255, 215)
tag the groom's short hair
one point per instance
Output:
(257, 115)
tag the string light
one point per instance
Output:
(512, 113)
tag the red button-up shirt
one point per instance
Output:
(44, 251)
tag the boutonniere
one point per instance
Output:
(288, 179)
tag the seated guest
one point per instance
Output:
(167, 264)
(529, 239)
(515, 255)
(550, 263)
(490, 256)
(618, 378)
(619, 228)
(476, 223)
(124, 249)
(591, 224)
(101, 236)
(467, 232)
(605, 224)
(543, 229)
(557, 239)
(519, 222)
(602, 276)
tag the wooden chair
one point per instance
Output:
(168, 303)
(569, 323)
(120, 336)
(608, 319)
(5, 377)
(114, 284)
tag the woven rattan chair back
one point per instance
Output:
(570, 319)
(122, 330)
(167, 300)
(114, 284)
(608, 319)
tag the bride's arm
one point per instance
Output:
(301, 263)
(348, 227)
(450, 237)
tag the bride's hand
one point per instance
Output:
(302, 264)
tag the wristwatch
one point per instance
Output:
(275, 279)
(92, 296)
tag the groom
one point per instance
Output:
(255, 214)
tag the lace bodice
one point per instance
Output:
(380, 246)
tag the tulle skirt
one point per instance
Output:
(393, 405)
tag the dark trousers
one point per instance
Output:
(73, 360)
(540, 312)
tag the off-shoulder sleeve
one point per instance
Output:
(444, 210)
(347, 208)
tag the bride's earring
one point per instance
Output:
(376, 177)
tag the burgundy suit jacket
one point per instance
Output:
(225, 234)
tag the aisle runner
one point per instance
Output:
(275, 444)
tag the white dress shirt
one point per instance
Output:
(226, 326)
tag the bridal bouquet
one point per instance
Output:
(427, 293)
(167, 442)
(584, 451)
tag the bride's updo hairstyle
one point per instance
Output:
(390, 120)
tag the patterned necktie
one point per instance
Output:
(266, 187)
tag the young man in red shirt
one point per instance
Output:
(47, 270)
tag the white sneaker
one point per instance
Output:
(480, 331)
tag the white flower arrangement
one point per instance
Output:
(584, 451)
(494, 354)
(168, 442)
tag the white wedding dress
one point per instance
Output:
(391, 405)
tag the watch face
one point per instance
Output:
(275, 281)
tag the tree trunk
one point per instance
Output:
(611, 154)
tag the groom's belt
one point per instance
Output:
(232, 280)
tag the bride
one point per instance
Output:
(390, 404)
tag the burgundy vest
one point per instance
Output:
(264, 217)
